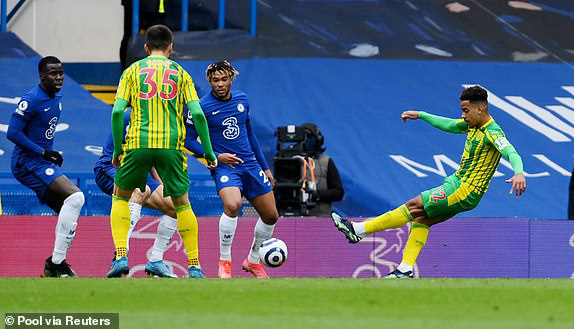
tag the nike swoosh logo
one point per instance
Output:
(46, 110)
(214, 113)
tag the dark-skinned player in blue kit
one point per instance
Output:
(36, 164)
(242, 169)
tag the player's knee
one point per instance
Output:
(270, 220)
(140, 197)
(232, 208)
(170, 212)
(414, 204)
(423, 221)
(75, 200)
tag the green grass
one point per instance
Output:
(303, 303)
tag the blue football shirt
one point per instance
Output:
(40, 114)
(227, 122)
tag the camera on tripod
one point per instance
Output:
(293, 171)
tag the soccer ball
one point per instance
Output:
(273, 252)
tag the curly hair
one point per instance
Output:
(474, 94)
(224, 66)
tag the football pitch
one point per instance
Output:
(302, 303)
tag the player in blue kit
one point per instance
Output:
(36, 164)
(242, 168)
(152, 197)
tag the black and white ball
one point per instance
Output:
(273, 252)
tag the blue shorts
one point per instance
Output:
(36, 174)
(105, 179)
(248, 177)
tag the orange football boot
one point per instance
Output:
(255, 269)
(224, 269)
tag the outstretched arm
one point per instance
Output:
(457, 126)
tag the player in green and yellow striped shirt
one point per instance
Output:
(462, 191)
(156, 88)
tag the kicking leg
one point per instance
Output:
(417, 237)
(389, 220)
(429, 208)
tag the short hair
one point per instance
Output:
(474, 94)
(224, 66)
(43, 64)
(158, 37)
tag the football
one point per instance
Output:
(273, 252)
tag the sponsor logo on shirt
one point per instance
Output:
(232, 130)
(52, 129)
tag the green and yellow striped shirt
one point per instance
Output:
(482, 151)
(156, 88)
